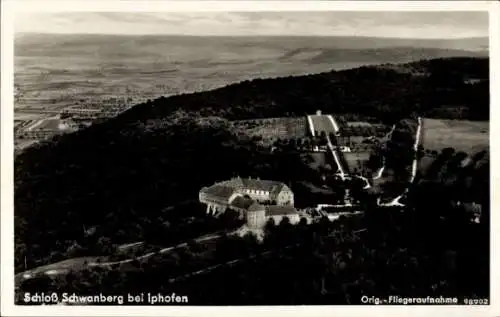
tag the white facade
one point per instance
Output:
(285, 197)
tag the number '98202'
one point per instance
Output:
(476, 301)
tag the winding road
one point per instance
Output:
(336, 158)
(150, 254)
(240, 260)
(64, 266)
(341, 171)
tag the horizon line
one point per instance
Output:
(251, 35)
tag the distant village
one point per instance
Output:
(40, 117)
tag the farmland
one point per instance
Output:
(462, 135)
(51, 124)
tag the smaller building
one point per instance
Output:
(277, 213)
(258, 215)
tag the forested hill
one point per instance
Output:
(441, 88)
(118, 176)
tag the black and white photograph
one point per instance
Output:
(250, 158)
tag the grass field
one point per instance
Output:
(322, 123)
(25, 116)
(467, 136)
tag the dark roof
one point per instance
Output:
(234, 182)
(222, 192)
(274, 210)
(242, 202)
(225, 189)
(265, 185)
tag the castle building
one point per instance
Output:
(256, 199)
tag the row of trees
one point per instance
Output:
(320, 140)
(364, 131)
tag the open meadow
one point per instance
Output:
(322, 123)
(462, 135)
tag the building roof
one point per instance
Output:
(256, 207)
(242, 202)
(225, 189)
(220, 191)
(257, 184)
(234, 182)
(274, 210)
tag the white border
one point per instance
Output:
(9, 7)
(263, 5)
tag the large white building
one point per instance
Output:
(256, 199)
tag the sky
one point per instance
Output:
(445, 25)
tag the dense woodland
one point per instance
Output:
(429, 249)
(137, 173)
(435, 88)
(123, 186)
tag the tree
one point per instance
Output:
(307, 144)
(302, 222)
(194, 246)
(299, 142)
(285, 221)
(269, 226)
(74, 250)
(331, 135)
